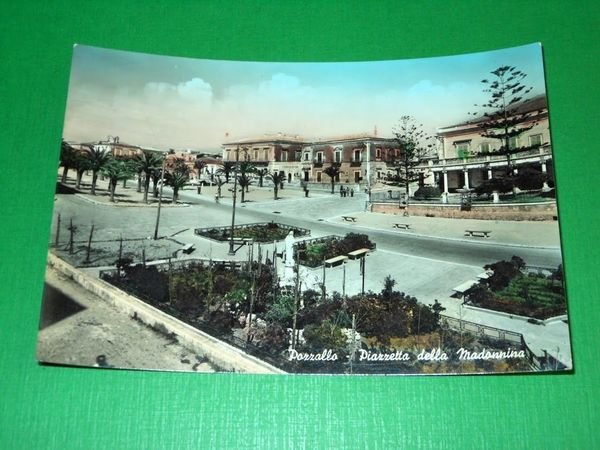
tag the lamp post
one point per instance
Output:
(162, 182)
(235, 177)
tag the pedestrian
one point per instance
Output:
(341, 191)
(351, 192)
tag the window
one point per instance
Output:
(513, 142)
(535, 140)
(485, 147)
(338, 156)
(319, 176)
(378, 153)
(319, 157)
(298, 155)
(255, 155)
(307, 156)
(356, 156)
(462, 149)
(284, 155)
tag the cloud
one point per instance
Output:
(195, 89)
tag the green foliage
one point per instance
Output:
(427, 193)
(281, 311)
(498, 184)
(326, 335)
(503, 119)
(313, 253)
(516, 293)
(415, 145)
(259, 232)
(529, 178)
(333, 172)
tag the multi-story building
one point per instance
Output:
(362, 158)
(466, 158)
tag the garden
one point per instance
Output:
(242, 304)
(259, 232)
(513, 290)
(313, 252)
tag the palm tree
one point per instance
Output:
(333, 172)
(220, 183)
(244, 182)
(246, 168)
(199, 165)
(97, 158)
(68, 155)
(115, 170)
(148, 163)
(277, 178)
(178, 176)
(81, 164)
(226, 169)
(261, 173)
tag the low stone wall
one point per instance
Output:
(517, 211)
(221, 353)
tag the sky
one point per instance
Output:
(182, 103)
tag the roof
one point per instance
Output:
(280, 138)
(537, 103)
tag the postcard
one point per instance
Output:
(361, 218)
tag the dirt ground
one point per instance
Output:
(100, 336)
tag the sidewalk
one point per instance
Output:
(525, 233)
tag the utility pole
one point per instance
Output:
(296, 297)
(162, 182)
(235, 177)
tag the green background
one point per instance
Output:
(57, 407)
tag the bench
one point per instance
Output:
(477, 233)
(402, 226)
(349, 218)
(187, 248)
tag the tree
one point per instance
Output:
(503, 119)
(333, 172)
(97, 158)
(200, 166)
(148, 163)
(244, 181)
(220, 183)
(226, 169)
(81, 164)
(261, 173)
(277, 178)
(68, 156)
(414, 146)
(116, 170)
(246, 168)
(178, 176)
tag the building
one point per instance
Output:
(466, 159)
(362, 158)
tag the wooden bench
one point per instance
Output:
(336, 261)
(349, 218)
(187, 248)
(402, 226)
(477, 233)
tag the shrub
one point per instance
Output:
(428, 193)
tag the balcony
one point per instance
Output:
(541, 153)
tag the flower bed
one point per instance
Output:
(260, 232)
(313, 252)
